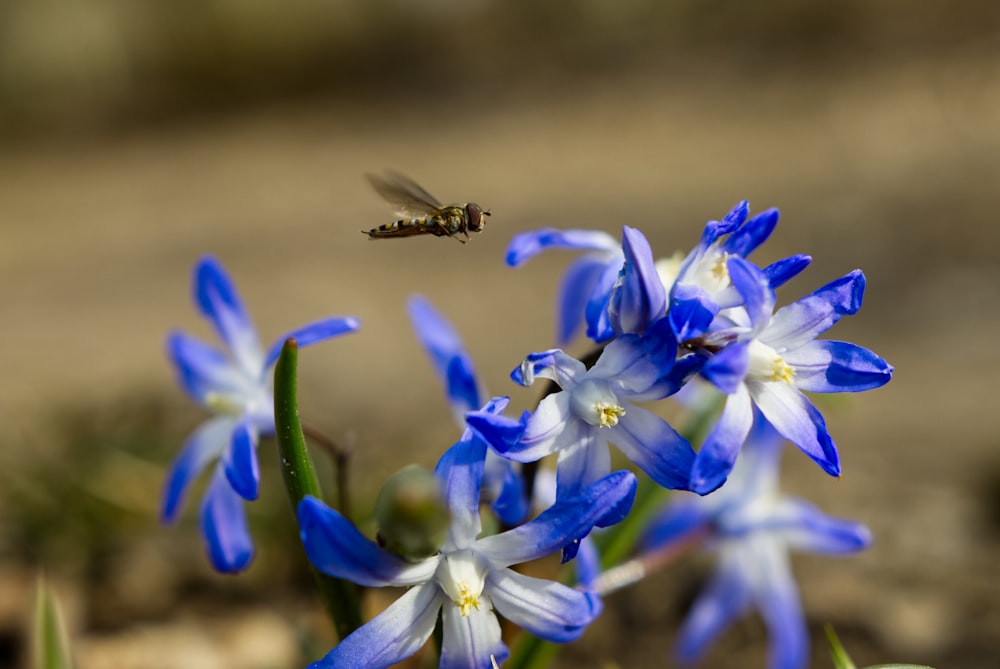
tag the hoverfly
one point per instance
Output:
(423, 214)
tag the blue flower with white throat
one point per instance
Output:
(235, 384)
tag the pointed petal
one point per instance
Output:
(751, 234)
(553, 365)
(510, 503)
(639, 298)
(775, 594)
(655, 447)
(239, 461)
(795, 417)
(201, 369)
(224, 526)
(826, 366)
(447, 353)
(577, 287)
(549, 610)
(527, 245)
(470, 640)
(564, 521)
(752, 285)
(551, 428)
(336, 548)
(584, 461)
(800, 322)
(730, 222)
(596, 314)
(628, 362)
(499, 432)
(390, 637)
(218, 301)
(718, 453)
(204, 445)
(782, 271)
(312, 334)
(727, 368)
(806, 528)
(725, 598)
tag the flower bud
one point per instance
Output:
(412, 514)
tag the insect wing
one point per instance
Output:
(406, 197)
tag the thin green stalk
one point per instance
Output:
(340, 598)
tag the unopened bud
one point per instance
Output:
(412, 514)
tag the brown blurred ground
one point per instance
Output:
(874, 128)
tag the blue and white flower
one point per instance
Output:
(236, 386)
(770, 358)
(470, 581)
(752, 528)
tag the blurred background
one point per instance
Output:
(136, 137)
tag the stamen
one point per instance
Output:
(466, 600)
(607, 414)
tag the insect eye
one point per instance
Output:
(475, 217)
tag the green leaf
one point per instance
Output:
(840, 657)
(341, 598)
(50, 642)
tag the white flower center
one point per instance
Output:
(767, 365)
(593, 401)
(462, 575)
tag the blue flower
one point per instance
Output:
(236, 386)
(595, 407)
(752, 528)
(767, 358)
(468, 579)
(451, 361)
(586, 287)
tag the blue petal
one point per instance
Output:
(725, 598)
(691, 311)
(718, 453)
(655, 447)
(835, 366)
(469, 641)
(448, 355)
(239, 461)
(224, 525)
(635, 363)
(638, 299)
(782, 271)
(800, 322)
(218, 300)
(727, 368)
(733, 220)
(577, 286)
(204, 445)
(758, 296)
(588, 569)
(336, 548)
(553, 365)
(392, 636)
(596, 314)
(312, 334)
(550, 428)
(583, 461)
(549, 610)
(561, 523)
(777, 598)
(527, 245)
(675, 524)
(511, 504)
(499, 432)
(202, 369)
(806, 528)
(794, 416)
(751, 234)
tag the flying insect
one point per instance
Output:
(421, 212)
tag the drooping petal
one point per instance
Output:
(312, 334)
(655, 447)
(751, 234)
(718, 453)
(224, 526)
(470, 640)
(795, 417)
(553, 365)
(447, 353)
(204, 445)
(782, 271)
(390, 637)
(827, 366)
(639, 298)
(201, 369)
(775, 595)
(239, 461)
(725, 598)
(576, 288)
(800, 322)
(806, 528)
(217, 299)
(336, 548)
(527, 245)
(566, 520)
(547, 609)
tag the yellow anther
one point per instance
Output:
(466, 600)
(719, 270)
(607, 414)
(781, 370)
(222, 403)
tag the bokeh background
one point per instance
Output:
(136, 137)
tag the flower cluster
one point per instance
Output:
(660, 328)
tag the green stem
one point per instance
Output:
(340, 598)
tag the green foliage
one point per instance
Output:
(49, 639)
